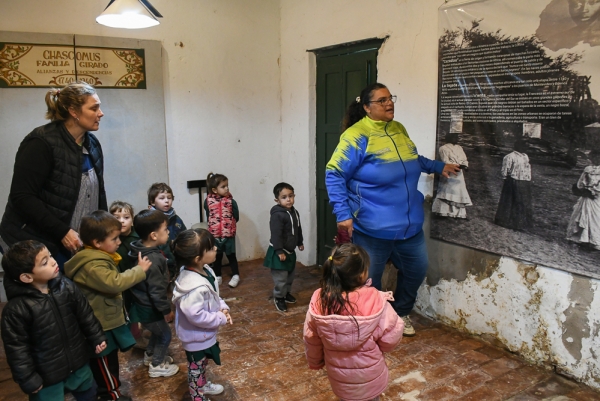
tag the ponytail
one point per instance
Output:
(356, 111)
(343, 272)
(59, 101)
(213, 181)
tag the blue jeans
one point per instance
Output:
(409, 256)
(159, 341)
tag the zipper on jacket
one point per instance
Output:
(405, 173)
(63, 334)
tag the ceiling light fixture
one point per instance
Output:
(129, 14)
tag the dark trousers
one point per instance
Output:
(159, 341)
(409, 256)
(232, 262)
(106, 373)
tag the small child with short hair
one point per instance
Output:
(222, 214)
(200, 310)
(286, 235)
(346, 303)
(94, 269)
(48, 328)
(150, 305)
(123, 211)
(160, 197)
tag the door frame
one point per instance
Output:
(344, 49)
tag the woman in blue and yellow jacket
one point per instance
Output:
(372, 182)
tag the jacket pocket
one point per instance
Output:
(355, 200)
(112, 307)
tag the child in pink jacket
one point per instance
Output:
(349, 325)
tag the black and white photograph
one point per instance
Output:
(517, 111)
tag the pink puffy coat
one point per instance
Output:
(354, 357)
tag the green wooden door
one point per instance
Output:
(342, 72)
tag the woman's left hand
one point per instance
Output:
(450, 169)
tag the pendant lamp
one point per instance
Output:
(129, 14)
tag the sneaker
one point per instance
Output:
(280, 304)
(409, 330)
(219, 280)
(148, 359)
(235, 280)
(212, 388)
(165, 369)
(289, 298)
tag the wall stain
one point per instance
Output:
(529, 273)
(576, 325)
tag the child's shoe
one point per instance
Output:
(212, 388)
(290, 299)
(280, 304)
(235, 280)
(165, 369)
(219, 280)
(148, 359)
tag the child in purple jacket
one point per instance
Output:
(199, 309)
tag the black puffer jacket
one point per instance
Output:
(151, 292)
(286, 230)
(45, 185)
(47, 336)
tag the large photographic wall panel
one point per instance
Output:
(517, 111)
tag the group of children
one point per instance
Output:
(64, 337)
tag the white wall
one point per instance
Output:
(222, 94)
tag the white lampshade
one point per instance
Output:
(129, 14)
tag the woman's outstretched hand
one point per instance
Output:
(449, 169)
(347, 226)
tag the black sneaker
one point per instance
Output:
(280, 304)
(289, 298)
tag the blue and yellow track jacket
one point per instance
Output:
(372, 177)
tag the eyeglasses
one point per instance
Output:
(384, 100)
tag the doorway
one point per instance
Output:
(342, 72)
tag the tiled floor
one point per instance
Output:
(263, 359)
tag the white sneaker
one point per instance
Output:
(212, 388)
(219, 280)
(235, 280)
(165, 369)
(409, 330)
(148, 359)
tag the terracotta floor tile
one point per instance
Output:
(584, 395)
(440, 373)
(473, 379)
(263, 358)
(500, 366)
(484, 393)
(474, 357)
(467, 345)
(445, 392)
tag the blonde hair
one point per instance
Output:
(59, 101)
(118, 205)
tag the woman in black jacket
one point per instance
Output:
(58, 174)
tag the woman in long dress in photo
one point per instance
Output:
(452, 196)
(584, 226)
(515, 209)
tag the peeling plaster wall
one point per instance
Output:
(548, 316)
